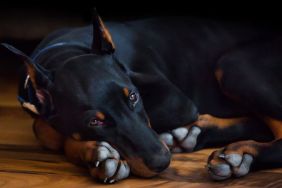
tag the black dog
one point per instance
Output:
(102, 96)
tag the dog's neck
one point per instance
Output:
(56, 52)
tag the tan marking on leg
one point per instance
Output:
(243, 147)
(207, 120)
(275, 125)
(47, 135)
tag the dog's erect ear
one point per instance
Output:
(102, 41)
(39, 78)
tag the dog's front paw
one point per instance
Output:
(106, 165)
(230, 161)
(182, 139)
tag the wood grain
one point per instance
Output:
(24, 163)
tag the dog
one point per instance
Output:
(120, 97)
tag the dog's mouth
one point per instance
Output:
(138, 168)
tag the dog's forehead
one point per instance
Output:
(87, 63)
(89, 90)
(89, 67)
(90, 80)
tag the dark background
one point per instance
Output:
(24, 23)
(137, 8)
(32, 20)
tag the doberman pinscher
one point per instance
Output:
(119, 97)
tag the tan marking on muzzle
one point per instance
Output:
(138, 168)
(47, 135)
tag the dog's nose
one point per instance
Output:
(159, 162)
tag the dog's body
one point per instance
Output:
(156, 48)
(182, 69)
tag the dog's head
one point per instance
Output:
(93, 98)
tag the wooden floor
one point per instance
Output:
(24, 163)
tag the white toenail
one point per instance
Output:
(222, 156)
(97, 164)
(111, 181)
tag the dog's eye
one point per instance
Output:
(95, 122)
(133, 99)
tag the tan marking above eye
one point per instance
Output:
(126, 92)
(100, 115)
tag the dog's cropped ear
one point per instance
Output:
(102, 42)
(39, 78)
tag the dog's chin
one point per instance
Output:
(138, 168)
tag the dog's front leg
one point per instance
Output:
(210, 131)
(239, 158)
(101, 158)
